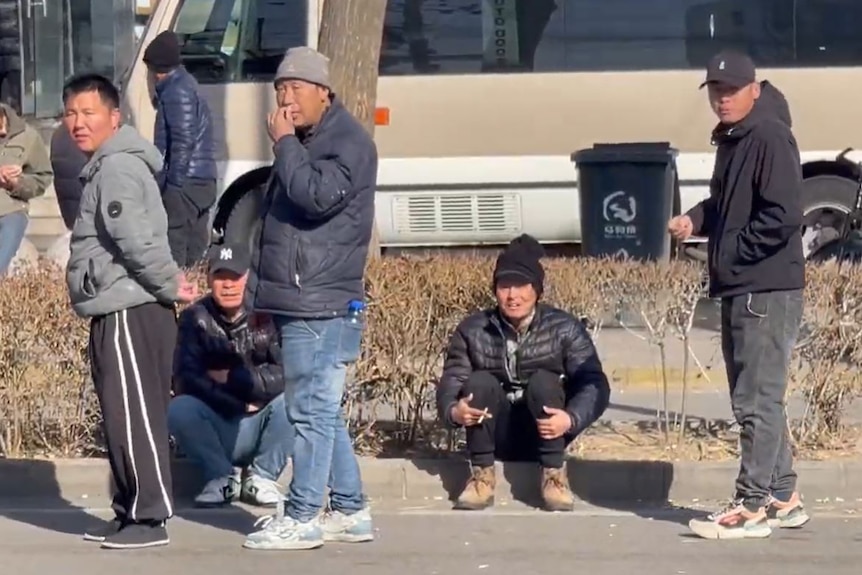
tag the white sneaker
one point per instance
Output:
(284, 534)
(261, 492)
(355, 528)
(220, 491)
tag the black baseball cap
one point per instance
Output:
(234, 257)
(730, 67)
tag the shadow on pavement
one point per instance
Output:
(450, 468)
(31, 494)
(187, 484)
(32, 485)
(639, 487)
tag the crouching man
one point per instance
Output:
(230, 409)
(524, 379)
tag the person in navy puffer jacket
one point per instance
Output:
(184, 135)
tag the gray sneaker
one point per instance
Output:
(217, 492)
(787, 515)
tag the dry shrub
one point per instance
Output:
(828, 354)
(46, 403)
(47, 406)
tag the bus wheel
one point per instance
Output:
(244, 220)
(827, 200)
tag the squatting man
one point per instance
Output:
(229, 409)
(523, 378)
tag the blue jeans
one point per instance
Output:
(263, 441)
(316, 354)
(12, 229)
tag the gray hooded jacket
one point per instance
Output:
(119, 248)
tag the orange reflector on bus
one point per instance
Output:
(381, 116)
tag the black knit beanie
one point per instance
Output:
(163, 53)
(520, 260)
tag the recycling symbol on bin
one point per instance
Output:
(616, 208)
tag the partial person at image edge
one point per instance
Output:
(753, 219)
(184, 135)
(25, 174)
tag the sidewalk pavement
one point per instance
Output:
(592, 541)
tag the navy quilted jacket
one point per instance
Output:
(184, 131)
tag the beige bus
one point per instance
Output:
(485, 100)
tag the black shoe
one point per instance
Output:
(101, 533)
(138, 536)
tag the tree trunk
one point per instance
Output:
(351, 32)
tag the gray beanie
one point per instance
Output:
(304, 63)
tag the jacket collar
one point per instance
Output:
(496, 317)
(330, 116)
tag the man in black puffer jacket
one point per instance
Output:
(524, 378)
(184, 134)
(230, 404)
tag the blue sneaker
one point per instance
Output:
(354, 528)
(284, 534)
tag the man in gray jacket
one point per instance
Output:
(121, 275)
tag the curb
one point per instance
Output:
(647, 378)
(86, 481)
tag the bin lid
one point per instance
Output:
(628, 152)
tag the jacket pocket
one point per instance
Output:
(727, 258)
(90, 280)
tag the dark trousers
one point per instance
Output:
(512, 434)
(131, 357)
(188, 220)
(758, 332)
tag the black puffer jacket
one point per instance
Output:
(184, 131)
(556, 341)
(251, 354)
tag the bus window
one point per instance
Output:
(238, 40)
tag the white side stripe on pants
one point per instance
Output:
(140, 389)
(127, 414)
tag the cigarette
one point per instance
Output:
(483, 416)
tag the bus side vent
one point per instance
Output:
(457, 213)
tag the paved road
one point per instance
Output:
(432, 541)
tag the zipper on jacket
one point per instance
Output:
(296, 279)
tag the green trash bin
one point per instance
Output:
(627, 195)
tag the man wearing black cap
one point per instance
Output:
(184, 135)
(524, 379)
(229, 409)
(753, 218)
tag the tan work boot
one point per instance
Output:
(555, 490)
(479, 491)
